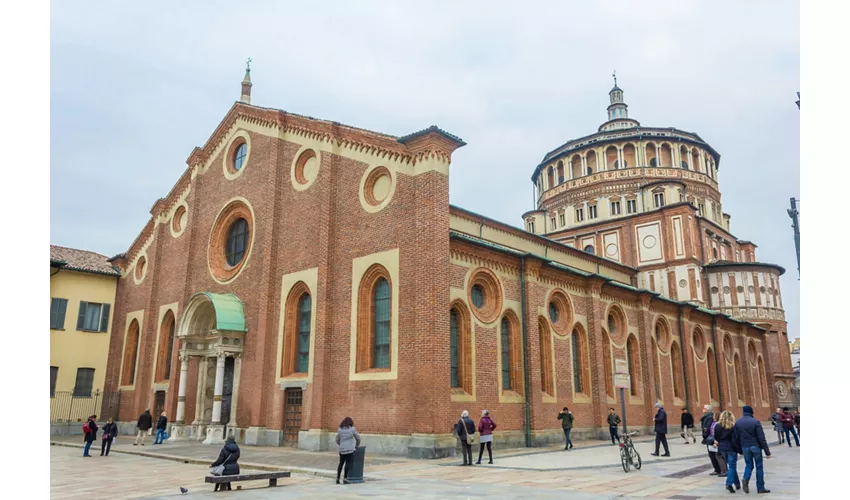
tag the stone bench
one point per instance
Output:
(271, 476)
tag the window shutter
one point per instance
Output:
(104, 318)
(81, 319)
(54, 311)
(60, 317)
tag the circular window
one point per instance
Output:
(485, 295)
(141, 266)
(699, 343)
(377, 188)
(770, 290)
(230, 241)
(725, 289)
(617, 325)
(751, 289)
(683, 283)
(740, 289)
(239, 156)
(560, 312)
(590, 249)
(178, 220)
(762, 289)
(305, 169)
(714, 289)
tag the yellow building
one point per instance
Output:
(82, 294)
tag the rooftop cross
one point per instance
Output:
(614, 74)
(248, 65)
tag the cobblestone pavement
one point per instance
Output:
(591, 470)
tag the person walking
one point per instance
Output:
(777, 425)
(161, 425)
(486, 426)
(465, 430)
(89, 434)
(751, 442)
(787, 420)
(727, 446)
(348, 441)
(144, 425)
(228, 457)
(661, 431)
(110, 431)
(707, 423)
(613, 422)
(566, 418)
(687, 425)
(797, 421)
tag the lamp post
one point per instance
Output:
(795, 224)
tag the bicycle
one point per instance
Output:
(628, 454)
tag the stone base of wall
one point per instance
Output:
(413, 446)
(260, 436)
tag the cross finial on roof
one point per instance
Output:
(248, 65)
(614, 74)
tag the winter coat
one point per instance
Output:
(110, 430)
(661, 421)
(486, 426)
(787, 420)
(162, 423)
(566, 420)
(613, 420)
(750, 433)
(464, 427)
(777, 424)
(687, 420)
(797, 420)
(92, 434)
(705, 422)
(145, 421)
(348, 440)
(228, 456)
(726, 439)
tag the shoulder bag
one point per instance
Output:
(218, 470)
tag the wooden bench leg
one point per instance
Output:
(272, 482)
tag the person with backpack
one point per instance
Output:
(707, 423)
(161, 425)
(110, 431)
(660, 431)
(613, 422)
(751, 443)
(566, 418)
(144, 425)
(486, 426)
(787, 420)
(89, 434)
(687, 425)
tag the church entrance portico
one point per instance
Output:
(212, 330)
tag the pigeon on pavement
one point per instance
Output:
(183, 490)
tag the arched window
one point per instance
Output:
(634, 365)
(629, 156)
(547, 376)
(651, 155)
(611, 158)
(578, 372)
(237, 242)
(305, 307)
(374, 323)
(506, 334)
(590, 249)
(713, 385)
(166, 347)
(461, 347)
(455, 346)
(678, 372)
(575, 166)
(131, 351)
(762, 381)
(609, 369)
(551, 177)
(296, 331)
(656, 364)
(590, 162)
(739, 378)
(239, 156)
(666, 156)
(560, 171)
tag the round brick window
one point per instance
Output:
(378, 186)
(178, 220)
(238, 155)
(306, 168)
(699, 343)
(140, 268)
(485, 295)
(751, 352)
(617, 325)
(560, 312)
(662, 335)
(728, 352)
(230, 241)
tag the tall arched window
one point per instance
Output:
(131, 351)
(579, 351)
(374, 320)
(296, 331)
(609, 369)
(739, 378)
(547, 376)
(305, 308)
(678, 372)
(461, 347)
(656, 364)
(713, 385)
(381, 356)
(455, 345)
(506, 355)
(634, 365)
(551, 177)
(560, 171)
(762, 381)
(166, 347)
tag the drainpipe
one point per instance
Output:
(716, 363)
(527, 391)
(481, 229)
(57, 271)
(684, 366)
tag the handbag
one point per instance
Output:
(470, 438)
(218, 470)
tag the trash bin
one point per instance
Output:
(355, 471)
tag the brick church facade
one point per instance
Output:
(301, 271)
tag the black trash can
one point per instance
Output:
(355, 470)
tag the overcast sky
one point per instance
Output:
(134, 87)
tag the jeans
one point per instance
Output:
(732, 472)
(160, 434)
(86, 450)
(660, 439)
(567, 435)
(614, 435)
(793, 432)
(753, 454)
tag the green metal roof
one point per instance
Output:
(229, 314)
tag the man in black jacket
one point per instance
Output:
(752, 442)
(613, 422)
(144, 424)
(161, 425)
(661, 431)
(687, 425)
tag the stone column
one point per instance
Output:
(219, 388)
(200, 399)
(181, 389)
(234, 398)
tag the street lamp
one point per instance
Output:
(798, 100)
(795, 224)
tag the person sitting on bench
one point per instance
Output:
(228, 457)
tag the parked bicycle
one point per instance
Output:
(628, 454)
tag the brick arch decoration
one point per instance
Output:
(609, 363)
(365, 318)
(617, 324)
(561, 301)
(662, 334)
(581, 359)
(728, 350)
(678, 371)
(698, 343)
(739, 378)
(656, 365)
(547, 372)
(633, 359)
(465, 346)
(164, 357)
(515, 344)
(713, 381)
(289, 353)
(751, 352)
(234, 210)
(131, 352)
(493, 296)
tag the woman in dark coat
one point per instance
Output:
(228, 456)
(726, 438)
(89, 436)
(464, 428)
(110, 431)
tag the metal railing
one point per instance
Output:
(71, 406)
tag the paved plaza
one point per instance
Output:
(591, 470)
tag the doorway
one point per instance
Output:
(158, 404)
(291, 416)
(227, 390)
